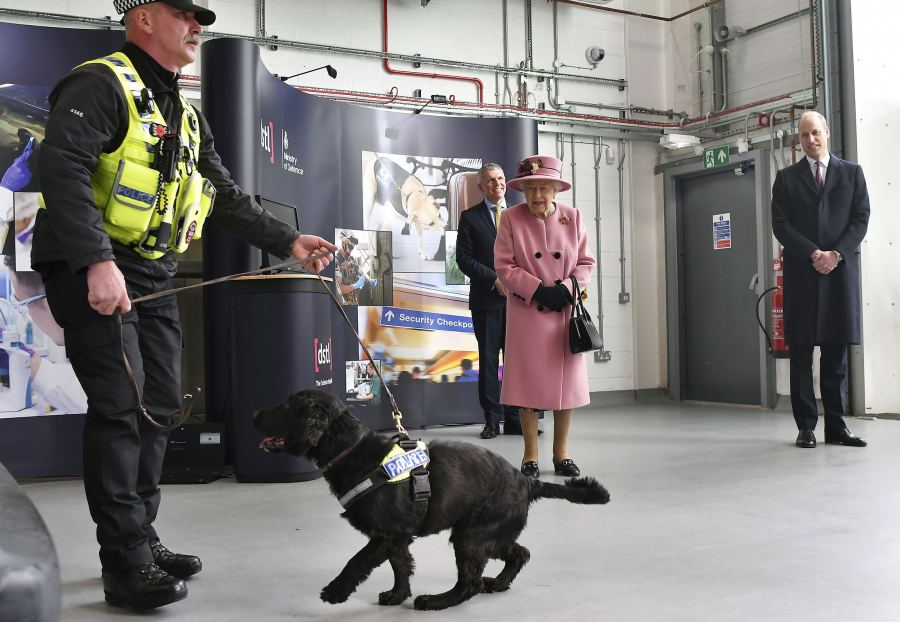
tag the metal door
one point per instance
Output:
(718, 240)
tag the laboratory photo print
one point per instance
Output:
(364, 272)
(363, 383)
(409, 195)
(36, 378)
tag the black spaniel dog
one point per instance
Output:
(477, 494)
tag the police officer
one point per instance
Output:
(128, 173)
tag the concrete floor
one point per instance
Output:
(715, 515)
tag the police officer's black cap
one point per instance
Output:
(204, 16)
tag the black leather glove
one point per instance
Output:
(554, 297)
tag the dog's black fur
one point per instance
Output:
(476, 494)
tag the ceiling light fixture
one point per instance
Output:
(678, 141)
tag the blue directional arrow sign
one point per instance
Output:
(425, 320)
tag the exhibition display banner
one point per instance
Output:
(36, 379)
(388, 189)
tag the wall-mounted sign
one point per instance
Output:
(717, 156)
(721, 231)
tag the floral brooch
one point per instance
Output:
(564, 220)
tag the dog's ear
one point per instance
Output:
(320, 414)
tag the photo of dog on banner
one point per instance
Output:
(408, 195)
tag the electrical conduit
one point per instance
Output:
(387, 65)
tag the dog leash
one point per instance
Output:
(188, 398)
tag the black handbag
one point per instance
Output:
(583, 335)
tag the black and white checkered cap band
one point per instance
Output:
(123, 6)
(204, 16)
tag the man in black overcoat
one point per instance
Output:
(487, 295)
(820, 213)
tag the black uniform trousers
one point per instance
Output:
(490, 332)
(123, 453)
(832, 379)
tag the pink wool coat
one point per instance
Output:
(539, 371)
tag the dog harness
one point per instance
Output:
(407, 460)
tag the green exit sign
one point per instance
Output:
(716, 156)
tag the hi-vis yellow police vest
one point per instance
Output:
(149, 191)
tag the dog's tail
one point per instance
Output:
(577, 490)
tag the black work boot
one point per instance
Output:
(176, 564)
(142, 587)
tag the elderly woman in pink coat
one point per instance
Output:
(540, 244)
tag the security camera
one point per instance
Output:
(727, 33)
(594, 55)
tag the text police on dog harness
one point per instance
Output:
(407, 460)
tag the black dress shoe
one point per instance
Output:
(488, 432)
(566, 467)
(142, 587)
(530, 469)
(806, 439)
(176, 564)
(844, 437)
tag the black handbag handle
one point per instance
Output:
(577, 306)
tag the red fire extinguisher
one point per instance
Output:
(779, 347)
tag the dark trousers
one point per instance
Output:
(832, 379)
(123, 453)
(490, 332)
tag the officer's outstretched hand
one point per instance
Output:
(106, 288)
(306, 245)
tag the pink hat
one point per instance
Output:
(539, 168)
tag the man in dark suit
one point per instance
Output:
(820, 213)
(487, 296)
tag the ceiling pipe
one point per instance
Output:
(273, 42)
(260, 18)
(553, 92)
(777, 21)
(507, 92)
(697, 123)
(797, 100)
(589, 5)
(702, 122)
(387, 64)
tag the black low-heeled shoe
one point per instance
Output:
(566, 467)
(530, 469)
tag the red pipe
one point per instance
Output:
(387, 65)
(365, 98)
(552, 114)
